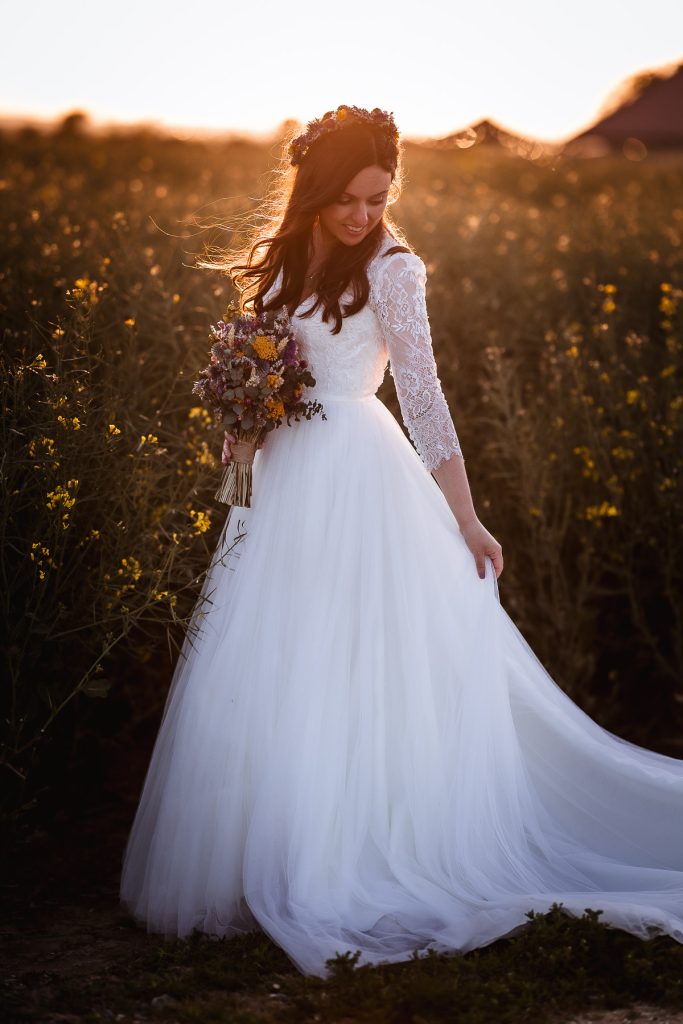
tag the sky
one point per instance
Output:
(536, 67)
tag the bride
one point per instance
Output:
(360, 752)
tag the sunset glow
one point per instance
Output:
(539, 69)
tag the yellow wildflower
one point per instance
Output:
(201, 522)
(667, 371)
(148, 439)
(604, 510)
(198, 412)
(113, 429)
(46, 443)
(130, 567)
(632, 396)
(589, 469)
(203, 455)
(608, 306)
(84, 291)
(74, 423)
(61, 495)
(40, 554)
(623, 453)
(38, 362)
(130, 322)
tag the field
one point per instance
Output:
(555, 293)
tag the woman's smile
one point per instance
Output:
(365, 196)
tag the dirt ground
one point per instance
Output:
(66, 941)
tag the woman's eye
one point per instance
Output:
(374, 202)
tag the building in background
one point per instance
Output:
(646, 115)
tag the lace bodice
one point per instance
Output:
(393, 326)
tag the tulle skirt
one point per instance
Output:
(360, 752)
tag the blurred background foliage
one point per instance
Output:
(555, 291)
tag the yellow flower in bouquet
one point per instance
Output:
(264, 347)
(275, 407)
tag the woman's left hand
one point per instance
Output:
(481, 543)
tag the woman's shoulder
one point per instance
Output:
(394, 259)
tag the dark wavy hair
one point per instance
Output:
(290, 210)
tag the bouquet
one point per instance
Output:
(254, 381)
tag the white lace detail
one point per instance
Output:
(398, 292)
(351, 364)
(393, 326)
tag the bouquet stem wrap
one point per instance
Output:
(235, 488)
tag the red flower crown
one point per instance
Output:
(333, 120)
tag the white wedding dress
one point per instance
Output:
(360, 751)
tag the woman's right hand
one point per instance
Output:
(227, 454)
(230, 440)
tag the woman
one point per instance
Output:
(362, 752)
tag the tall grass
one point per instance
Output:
(555, 300)
(555, 296)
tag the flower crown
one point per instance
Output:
(331, 121)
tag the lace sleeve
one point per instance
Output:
(401, 305)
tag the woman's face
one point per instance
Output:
(359, 207)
